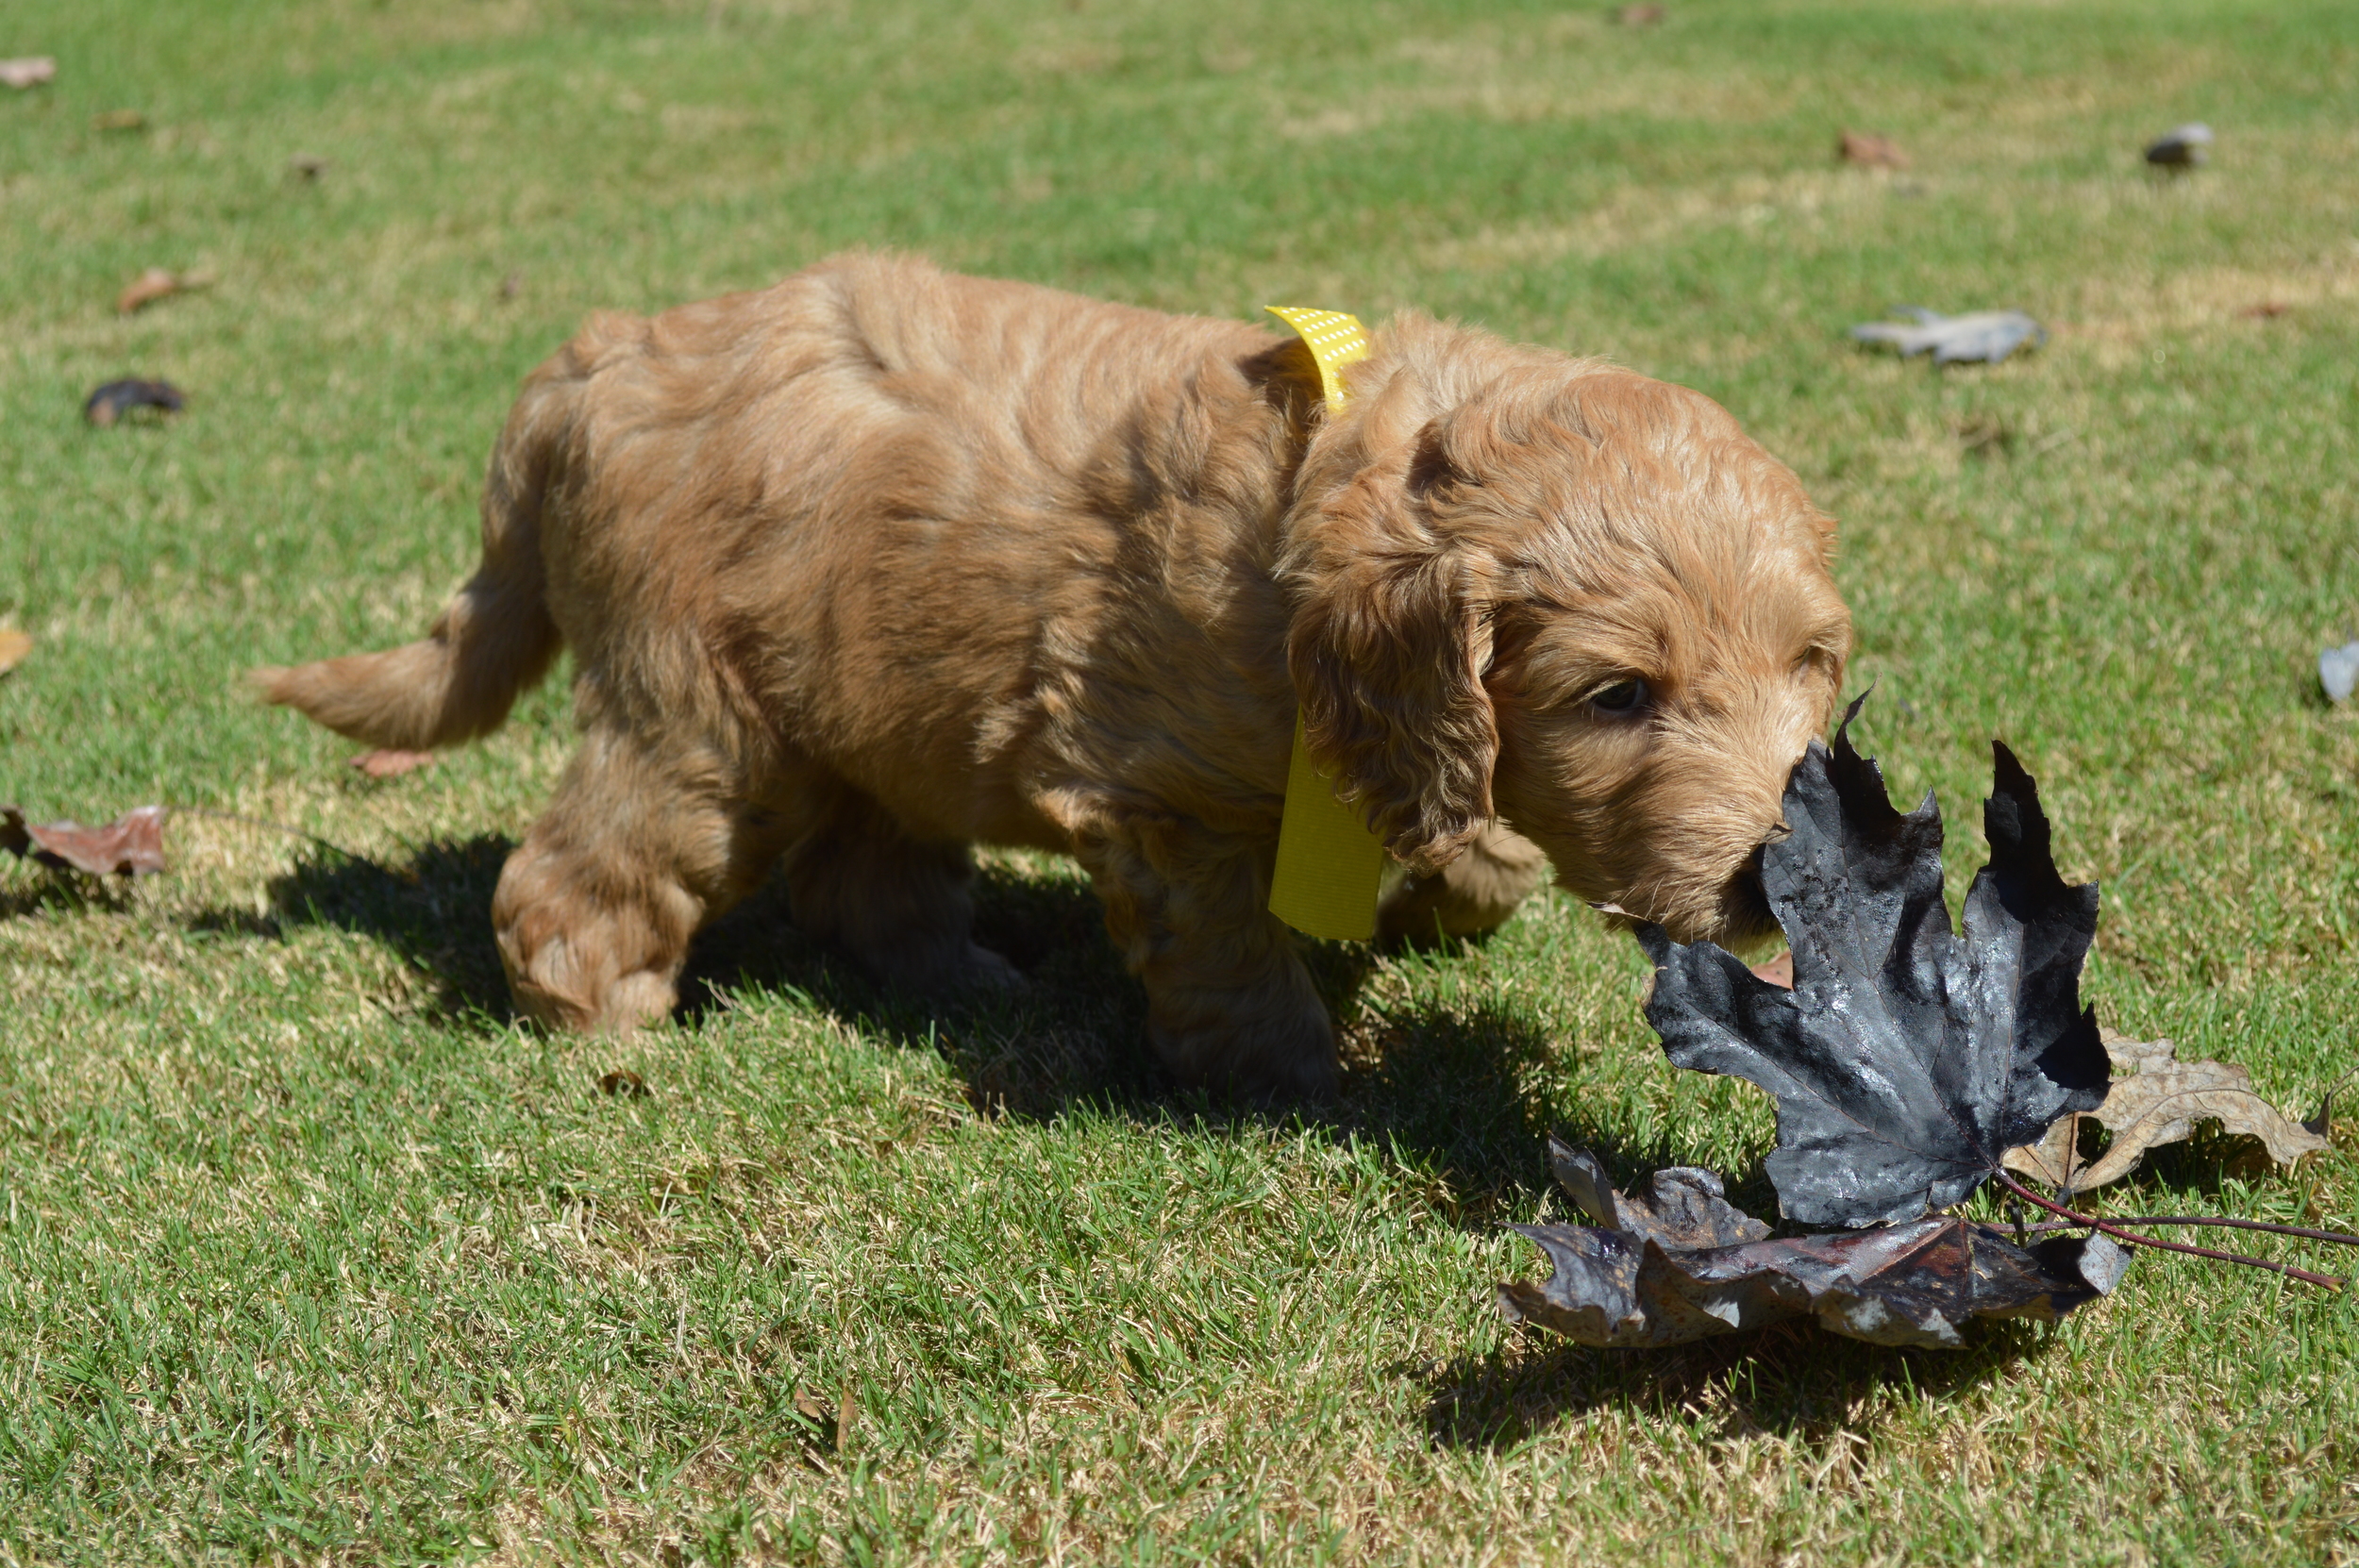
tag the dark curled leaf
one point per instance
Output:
(111, 402)
(1908, 1284)
(1907, 1059)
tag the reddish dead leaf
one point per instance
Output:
(1639, 16)
(29, 71)
(14, 645)
(625, 1082)
(154, 284)
(1777, 970)
(391, 764)
(2266, 310)
(1871, 152)
(131, 845)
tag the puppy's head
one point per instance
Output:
(1569, 596)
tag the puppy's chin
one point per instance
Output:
(1738, 917)
(1745, 919)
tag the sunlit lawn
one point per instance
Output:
(308, 1252)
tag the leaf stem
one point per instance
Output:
(2344, 1237)
(2120, 1235)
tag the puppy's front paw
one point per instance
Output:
(560, 988)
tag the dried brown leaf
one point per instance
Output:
(154, 284)
(391, 764)
(625, 1082)
(2158, 1099)
(1779, 971)
(14, 645)
(119, 120)
(1872, 151)
(131, 845)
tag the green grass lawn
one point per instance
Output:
(309, 1253)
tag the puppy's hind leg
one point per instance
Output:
(900, 903)
(1230, 1004)
(649, 839)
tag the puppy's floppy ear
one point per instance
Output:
(1389, 642)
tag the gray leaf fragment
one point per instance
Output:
(2338, 670)
(1987, 336)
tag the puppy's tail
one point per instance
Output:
(493, 641)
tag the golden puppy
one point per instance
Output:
(881, 562)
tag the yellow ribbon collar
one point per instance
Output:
(1329, 862)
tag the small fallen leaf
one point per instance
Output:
(391, 764)
(118, 120)
(1639, 16)
(1777, 970)
(2268, 310)
(625, 1082)
(824, 1428)
(154, 284)
(2158, 1099)
(131, 845)
(115, 399)
(1681, 1263)
(14, 645)
(1988, 336)
(1873, 152)
(2186, 147)
(31, 71)
(307, 166)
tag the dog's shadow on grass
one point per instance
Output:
(1792, 1379)
(1445, 1090)
(434, 910)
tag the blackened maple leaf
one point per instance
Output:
(1907, 1059)
(1679, 1264)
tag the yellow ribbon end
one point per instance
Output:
(1333, 338)
(1329, 865)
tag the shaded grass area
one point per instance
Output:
(308, 1252)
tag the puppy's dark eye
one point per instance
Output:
(1623, 696)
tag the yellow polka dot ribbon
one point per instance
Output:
(1329, 862)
